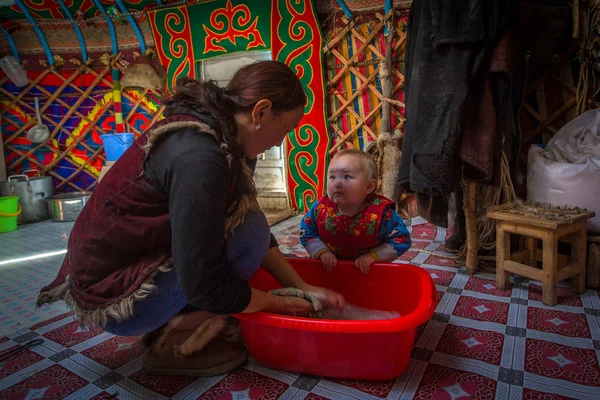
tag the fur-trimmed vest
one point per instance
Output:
(122, 237)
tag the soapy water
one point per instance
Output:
(355, 313)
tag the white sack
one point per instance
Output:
(567, 171)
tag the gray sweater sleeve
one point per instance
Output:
(193, 171)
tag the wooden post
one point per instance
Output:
(502, 254)
(385, 76)
(531, 247)
(470, 200)
(550, 267)
(578, 253)
(388, 141)
(377, 65)
(592, 272)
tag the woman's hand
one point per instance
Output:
(327, 297)
(276, 265)
(268, 302)
(289, 305)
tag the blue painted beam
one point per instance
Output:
(11, 43)
(111, 27)
(37, 30)
(133, 24)
(387, 8)
(345, 8)
(77, 30)
(113, 37)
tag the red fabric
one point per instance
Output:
(353, 236)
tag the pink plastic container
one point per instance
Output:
(369, 350)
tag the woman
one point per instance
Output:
(166, 243)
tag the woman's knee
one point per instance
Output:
(253, 231)
(249, 244)
(255, 225)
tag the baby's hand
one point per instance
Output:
(329, 261)
(364, 263)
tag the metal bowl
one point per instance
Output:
(65, 207)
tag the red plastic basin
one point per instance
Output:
(369, 350)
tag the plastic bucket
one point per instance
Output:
(9, 211)
(356, 350)
(115, 144)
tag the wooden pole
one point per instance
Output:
(388, 140)
(156, 116)
(81, 168)
(386, 83)
(359, 51)
(470, 202)
(132, 112)
(123, 94)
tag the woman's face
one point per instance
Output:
(272, 129)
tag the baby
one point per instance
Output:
(351, 222)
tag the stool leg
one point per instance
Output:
(549, 268)
(531, 244)
(502, 254)
(578, 253)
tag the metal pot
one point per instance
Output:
(65, 207)
(31, 192)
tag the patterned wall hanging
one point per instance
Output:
(292, 33)
(44, 9)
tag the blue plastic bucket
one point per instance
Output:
(115, 144)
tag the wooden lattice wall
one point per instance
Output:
(549, 103)
(76, 116)
(354, 53)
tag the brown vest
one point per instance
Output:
(121, 239)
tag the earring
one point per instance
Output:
(258, 126)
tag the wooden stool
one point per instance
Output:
(593, 262)
(555, 267)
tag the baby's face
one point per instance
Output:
(347, 182)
